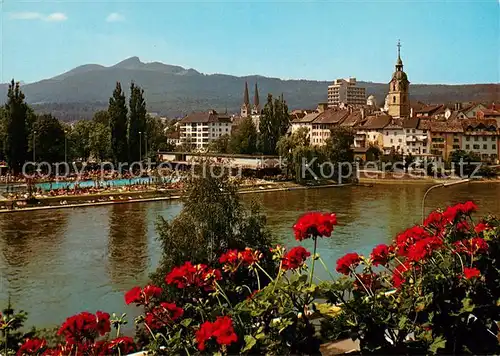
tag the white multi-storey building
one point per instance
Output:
(345, 91)
(481, 137)
(199, 129)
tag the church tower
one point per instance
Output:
(245, 108)
(399, 101)
(256, 102)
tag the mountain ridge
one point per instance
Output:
(173, 90)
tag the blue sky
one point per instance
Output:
(442, 41)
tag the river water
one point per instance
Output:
(56, 263)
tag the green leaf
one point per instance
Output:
(260, 336)
(250, 342)
(402, 322)
(467, 306)
(439, 343)
(186, 322)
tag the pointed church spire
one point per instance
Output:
(246, 99)
(256, 101)
(399, 62)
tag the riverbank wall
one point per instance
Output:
(67, 202)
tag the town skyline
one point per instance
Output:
(312, 46)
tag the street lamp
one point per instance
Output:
(140, 145)
(34, 146)
(65, 146)
(146, 144)
(448, 184)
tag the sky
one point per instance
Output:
(447, 42)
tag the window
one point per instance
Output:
(485, 147)
(394, 99)
(455, 140)
(424, 131)
(407, 130)
(493, 139)
(493, 146)
(424, 150)
(485, 138)
(467, 147)
(456, 147)
(476, 138)
(467, 138)
(391, 140)
(400, 140)
(476, 147)
(413, 131)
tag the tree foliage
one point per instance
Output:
(117, 111)
(49, 139)
(16, 143)
(244, 140)
(99, 140)
(212, 220)
(136, 125)
(79, 140)
(274, 123)
(220, 145)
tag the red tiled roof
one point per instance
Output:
(490, 112)
(376, 122)
(331, 116)
(306, 119)
(411, 123)
(352, 119)
(205, 117)
(449, 126)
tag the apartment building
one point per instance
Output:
(445, 137)
(324, 123)
(481, 137)
(345, 91)
(201, 128)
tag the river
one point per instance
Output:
(56, 263)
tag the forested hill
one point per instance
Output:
(175, 91)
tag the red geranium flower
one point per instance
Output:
(470, 273)
(398, 274)
(222, 329)
(142, 296)
(380, 255)
(463, 226)
(348, 262)
(314, 224)
(407, 238)
(32, 347)
(133, 295)
(199, 276)
(233, 259)
(203, 334)
(471, 246)
(424, 248)
(295, 258)
(163, 314)
(103, 323)
(481, 227)
(122, 345)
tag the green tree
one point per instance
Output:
(136, 127)
(244, 140)
(49, 139)
(99, 140)
(79, 140)
(117, 111)
(220, 145)
(339, 145)
(3, 132)
(16, 142)
(409, 159)
(211, 221)
(274, 123)
(156, 136)
(287, 145)
(101, 116)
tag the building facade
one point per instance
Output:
(346, 91)
(481, 137)
(199, 129)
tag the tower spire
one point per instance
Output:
(399, 48)
(399, 62)
(256, 101)
(246, 99)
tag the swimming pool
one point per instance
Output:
(103, 183)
